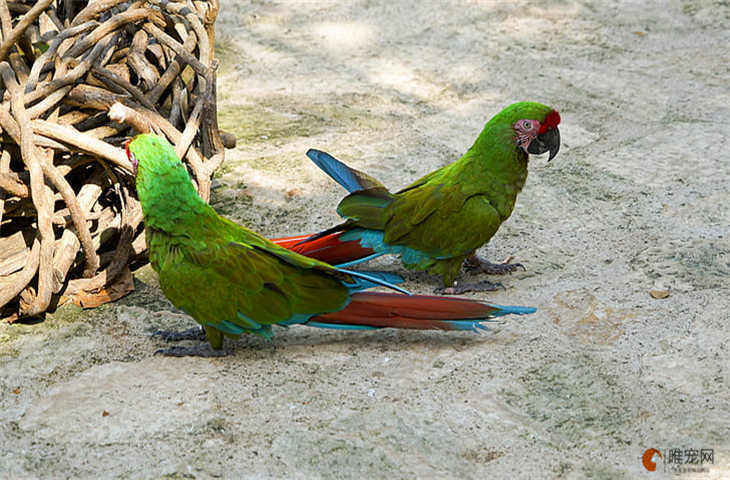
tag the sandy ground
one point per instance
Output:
(637, 200)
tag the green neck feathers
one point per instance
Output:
(164, 187)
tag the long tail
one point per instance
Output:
(371, 310)
(329, 248)
(350, 179)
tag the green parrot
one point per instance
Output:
(233, 281)
(440, 220)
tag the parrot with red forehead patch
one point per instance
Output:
(439, 221)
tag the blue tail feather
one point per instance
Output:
(375, 239)
(339, 172)
(365, 280)
(512, 310)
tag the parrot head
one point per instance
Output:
(151, 153)
(157, 170)
(535, 127)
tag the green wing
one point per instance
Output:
(441, 220)
(246, 286)
(441, 214)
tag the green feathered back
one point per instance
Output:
(222, 274)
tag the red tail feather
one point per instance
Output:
(289, 242)
(422, 312)
(328, 248)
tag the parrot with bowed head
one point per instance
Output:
(233, 281)
(439, 221)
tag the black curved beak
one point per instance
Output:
(546, 142)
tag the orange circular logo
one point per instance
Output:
(648, 459)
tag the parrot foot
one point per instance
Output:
(483, 286)
(201, 350)
(195, 333)
(474, 265)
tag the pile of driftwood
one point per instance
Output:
(69, 224)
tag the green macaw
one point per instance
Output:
(233, 281)
(439, 221)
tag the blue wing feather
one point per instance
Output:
(350, 179)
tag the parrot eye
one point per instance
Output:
(527, 125)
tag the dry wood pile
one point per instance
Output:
(69, 225)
